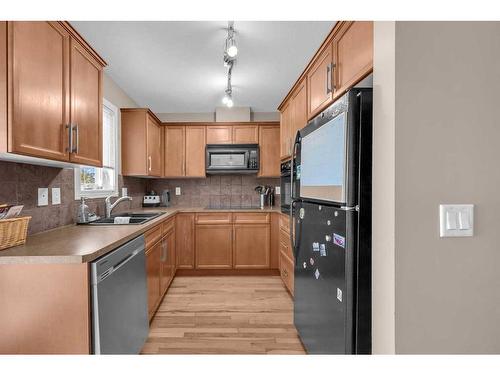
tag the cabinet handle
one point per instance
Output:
(77, 143)
(70, 140)
(149, 163)
(330, 84)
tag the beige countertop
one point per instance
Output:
(84, 243)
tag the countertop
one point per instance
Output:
(85, 243)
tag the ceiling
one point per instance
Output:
(177, 67)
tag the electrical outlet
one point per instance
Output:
(124, 191)
(277, 190)
(56, 195)
(177, 190)
(43, 196)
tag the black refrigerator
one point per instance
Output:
(331, 227)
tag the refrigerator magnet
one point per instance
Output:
(315, 246)
(316, 274)
(339, 240)
(322, 250)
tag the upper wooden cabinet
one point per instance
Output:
(269, 138)
(285, 128)
(195, 151)
(141, 143)
(219, 134)
(293, 118)
(319, 80)
(245, 134)
(53, 101)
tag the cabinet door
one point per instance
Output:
(319, 81)
(167, 261)
(154, 158)
(86, 107)
(299, 108)
(214, 246)
(39, 89)
(269, 138)
(354, 53)
(174, 151)
(184, 239)
(153, 256)
(252, 245)
(285, 123)
(195, 151)
(245, 134)
(219, 134)
(287, 272)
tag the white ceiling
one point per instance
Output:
(177, 66)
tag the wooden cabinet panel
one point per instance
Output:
(286, 272)
(153, 235)
(174, 151)
(285, 126)
(245, 134)
(285, 244)
(251, 217)
(354, 53)
(39, 81)
(251, 246)
(184, 239)
(284, 223)
(195, 151)
(269, 143)
(86, 106)
(167, 260)
(214, 246)
(213, 218)
(154, 156)
(219, 134)
(299, 109)
(153, 256)
(168, 225)
(319, 81)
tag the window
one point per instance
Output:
(96, 182)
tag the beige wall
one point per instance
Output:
(383, 246)
(115, 94)
(447, 151)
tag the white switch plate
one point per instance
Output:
(124, 191)
(277, 189)
(456, 220)
(177, 191)
(56, 195)
(43, 196)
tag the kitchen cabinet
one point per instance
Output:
(286, 263)
(293, 118)
(54, 85)
(153, 266)
(195, 151)
(245, 134)
(319, 80)
(286, 272)
(141, 143)
(167, 260)
(269, 144)
(184, 239)
(285, 129)
(252, 246)
(354, 47)
(214, 246)
(174, 149)
(217, 134)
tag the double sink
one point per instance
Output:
(135, 218)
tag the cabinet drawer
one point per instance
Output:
(286, 271)
(285, 244)
(251, 217)
(153, 236)
(168, 226)
(213, 218)
(285, 223)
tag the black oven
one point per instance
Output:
(286, 186)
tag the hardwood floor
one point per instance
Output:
(224, 315)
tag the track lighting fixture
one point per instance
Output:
(230, 52)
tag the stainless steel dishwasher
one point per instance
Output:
(119, 300)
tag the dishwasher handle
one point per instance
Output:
(117, 266)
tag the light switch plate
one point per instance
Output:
(43, 196)
(177, 191)
(277, 189)
(124, 191)
(56, 195)
(456, 220)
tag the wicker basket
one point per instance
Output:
(13, 231)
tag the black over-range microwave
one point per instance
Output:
(233, 159)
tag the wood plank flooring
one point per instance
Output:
(224, 315)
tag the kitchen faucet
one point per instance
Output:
(110, 206)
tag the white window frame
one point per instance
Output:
(103, 193)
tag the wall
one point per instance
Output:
(383, 288)
(218, 191)
(447, 132)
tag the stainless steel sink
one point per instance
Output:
(135, 218)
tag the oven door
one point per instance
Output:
(286, 193)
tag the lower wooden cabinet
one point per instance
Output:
(184, 239)
(252, 245)
(167, 261)
(286, 272)
(286, 262)
(153, 259)
(214, 246)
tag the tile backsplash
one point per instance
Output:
(220, 191)
(19, 184)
